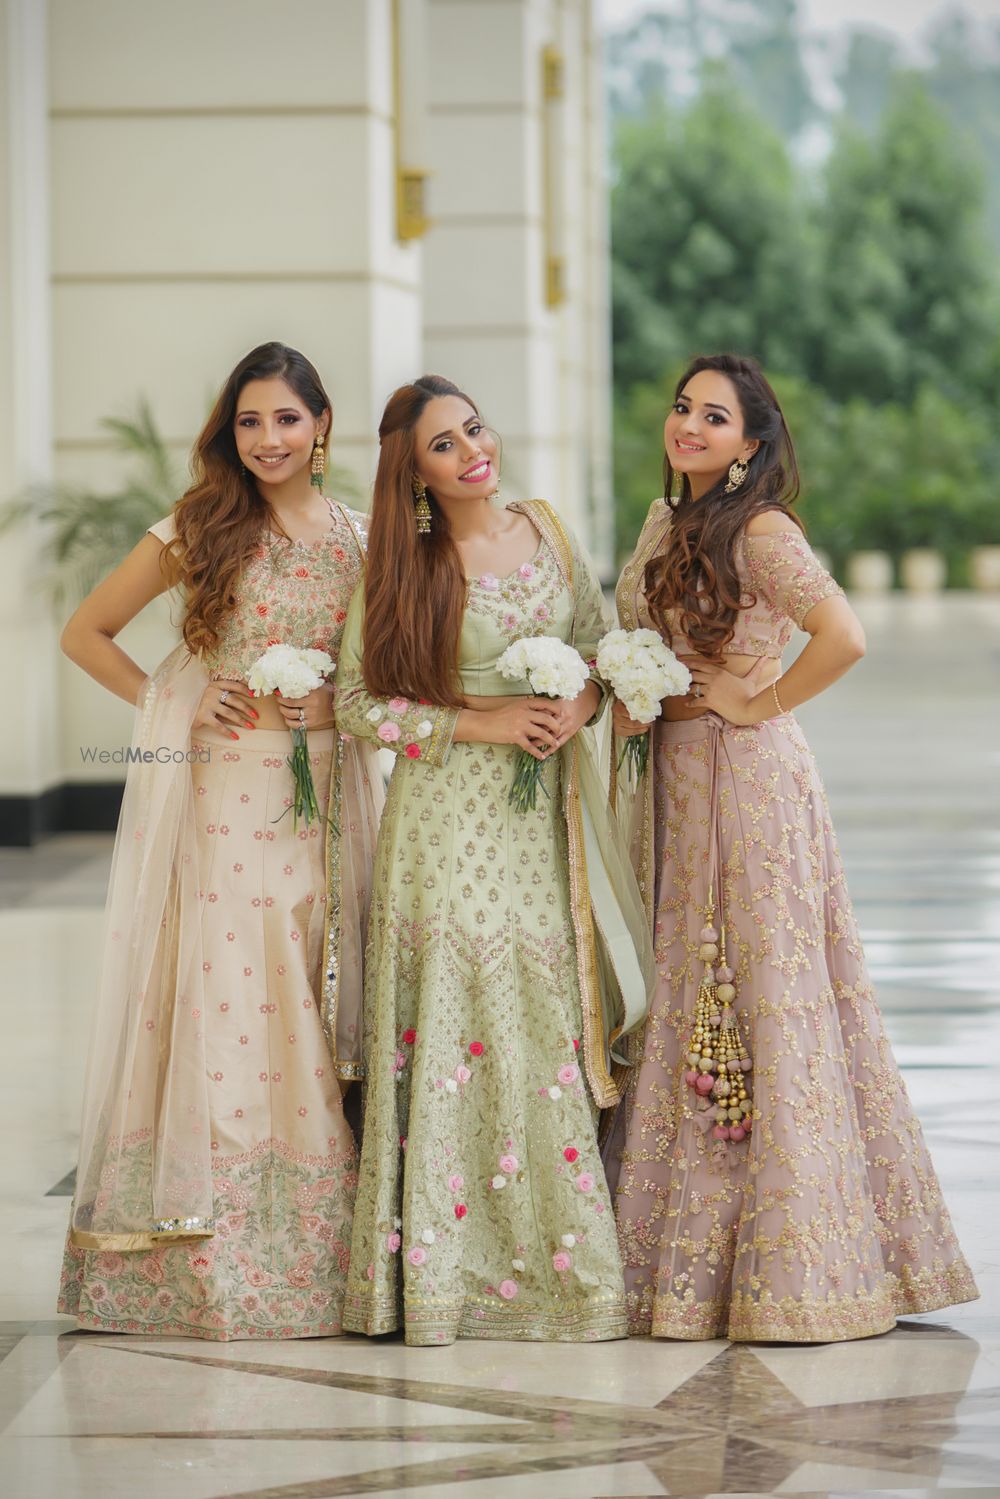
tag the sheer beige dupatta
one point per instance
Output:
(145, 1169)
(145, 1172)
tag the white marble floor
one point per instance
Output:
(910, 748)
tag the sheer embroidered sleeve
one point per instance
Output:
(417, 730)
(784, 571)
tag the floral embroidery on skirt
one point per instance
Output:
(827, 1222)
(283, 1157)
(482, 1210)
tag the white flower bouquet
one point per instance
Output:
(641, 671)
(552, 669)
(294, 672)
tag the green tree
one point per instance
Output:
(906, 280)
(711, 247)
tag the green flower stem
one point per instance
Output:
(304, 804)
(635, 754)
(527, 780)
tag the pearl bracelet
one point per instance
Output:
(777, 699)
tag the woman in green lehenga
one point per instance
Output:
(507, 957)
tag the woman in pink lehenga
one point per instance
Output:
(215, 1190)
(772, 1180)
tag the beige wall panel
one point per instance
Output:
(396, 332)
(154, 54)
(478, 53)
(481, 276)
(187, 194)
(176, 343)
(485, 166)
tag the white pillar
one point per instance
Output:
(515, 305)
(28, 746)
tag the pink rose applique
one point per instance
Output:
(568, 1074)
(526, 571)
(561, 1260)
(393, 1242)
(475, 1048)
(398, 704)
(489, 582)
(388, 732)
(585, 1182)
(508, 1164)
(462, 1073)
(417, 1255)
(508, 1289)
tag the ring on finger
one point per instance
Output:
(696, 690)
(302, 715)
(225, 697)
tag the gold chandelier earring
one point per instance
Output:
(421, 509)
(737, 475)
(317, 476)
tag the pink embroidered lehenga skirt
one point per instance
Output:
(273, 1262)
(826, 1221)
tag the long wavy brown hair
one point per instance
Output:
(696, 574)
(414, 585)
(220, 518)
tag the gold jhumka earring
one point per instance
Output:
(737, 475)
(317, 476)
(421, 509)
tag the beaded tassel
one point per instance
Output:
(718, 1061)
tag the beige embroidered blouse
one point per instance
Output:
(295, 592)
(780, 576)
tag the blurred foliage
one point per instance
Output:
(873, 303)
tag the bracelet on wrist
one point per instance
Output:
(777, 699)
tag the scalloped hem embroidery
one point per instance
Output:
(742, 1319)
(237, 1332)
(596, 1321)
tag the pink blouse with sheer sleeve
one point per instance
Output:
(781, 579)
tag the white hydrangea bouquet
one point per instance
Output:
(641, 671)
(552, 669)
(294, 672)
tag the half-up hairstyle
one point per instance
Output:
(220, 518)
(415, 587)
(696, 573)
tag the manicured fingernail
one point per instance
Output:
(277, 692)
(250, 725)
(233, 736)
(254, 712)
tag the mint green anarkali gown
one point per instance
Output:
(492, 989)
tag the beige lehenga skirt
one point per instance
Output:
(283, 1157)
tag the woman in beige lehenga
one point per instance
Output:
(216, 1181)
(772, 1180)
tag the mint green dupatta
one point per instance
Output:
(613, 943)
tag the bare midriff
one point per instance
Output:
(677, 708)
